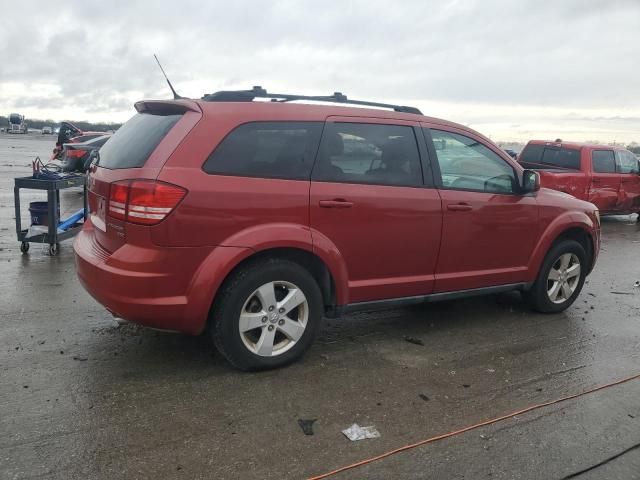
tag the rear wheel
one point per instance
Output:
(266, 314)
(560, 279)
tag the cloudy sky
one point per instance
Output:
(512, 69)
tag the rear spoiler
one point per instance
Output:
(167, 107)
(75, 146)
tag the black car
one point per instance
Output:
(512, 153)
(75, 155)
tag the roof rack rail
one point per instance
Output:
(259, 92)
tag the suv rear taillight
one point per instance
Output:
(145, 202)
(75, 153)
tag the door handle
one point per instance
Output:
(459, 207)
(337, 203)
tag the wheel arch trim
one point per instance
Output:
(249, 243)
(559, 227)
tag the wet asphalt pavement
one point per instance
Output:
(82, 396)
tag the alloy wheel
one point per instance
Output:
(563, 278)
(273, 318)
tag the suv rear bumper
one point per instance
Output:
(146, 285)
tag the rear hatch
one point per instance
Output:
(138, 150)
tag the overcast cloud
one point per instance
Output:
(511, 69)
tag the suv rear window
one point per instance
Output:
(538, 156)
(268, 150)
(133, 143)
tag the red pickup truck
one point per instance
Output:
(607, 176)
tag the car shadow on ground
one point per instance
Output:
(130, 348)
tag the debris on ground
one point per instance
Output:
(423, 397)
(415, 341)
(637, 284)
(307, 425)
(355, 432)
(80, 359)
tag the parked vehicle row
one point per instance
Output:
(607, 176)
(251, 220)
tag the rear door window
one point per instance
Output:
(267, 149)
(371, 153)
(603, 161)
(133, 143)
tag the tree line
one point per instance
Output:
(86, 126)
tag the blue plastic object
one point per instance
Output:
(72, 220)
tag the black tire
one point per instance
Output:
(538, 296)
(24, 247)
(54, 249)
(237, 290)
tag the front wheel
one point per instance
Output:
(560, 279)
(266, 314)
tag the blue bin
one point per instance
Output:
(39, 212)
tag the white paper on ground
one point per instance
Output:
(356, 432)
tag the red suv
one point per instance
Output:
(253, 219)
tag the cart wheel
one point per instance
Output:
(24, 247)
(54, 249)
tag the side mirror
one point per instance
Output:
(530, 181)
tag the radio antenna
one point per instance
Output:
(175, 94)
